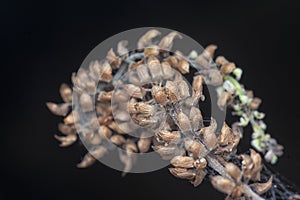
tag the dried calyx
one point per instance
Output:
(194, 150)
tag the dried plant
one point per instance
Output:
(196, 149)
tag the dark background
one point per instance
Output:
(44, 42)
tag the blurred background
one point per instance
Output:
(44, 42)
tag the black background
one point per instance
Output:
(43, 42)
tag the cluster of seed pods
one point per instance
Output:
(144, 103)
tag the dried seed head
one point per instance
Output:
(121, 49)
(183, 121)
(196, 118)
(169, 136)
(86, 102)
(144, 144)
(159, 95)
(154, 68)
(145, 40)
(222, 184)
(197, 149)
(255, 103)
(72, 118)
(183, 66)
(234, 171)
(166, 42)
(66, 140)
(172, 91)
(113, 60)
(152, 50)
(105, 96)
(65, 93)
(183, 161)
(226, 137)
(261, 188)
(117, 139)
(183, 173)
(58, 109)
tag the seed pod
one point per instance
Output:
(196, 118)
(94, 139)
(135, 91)
(215, 77)
(172, 91)
(113, 125)
(66, 129)
(86, 102)
(167, 70)
(168, 136)
(221, 60)
(200, 163)
(159, 95)
(91, 157)
(197, 149)
(152, 50)
(223, 100)
(143, 74)
(65, 93)
(200, 175)
(210, 51)
(135, 65)
(247, 166)
(205, 58)
(130, 147)
(183, 173)
(183, 161)
(256, 158)
(143, 108)
(183, 66)
(154, 68)
(117, 139)
(173, 61)
(105, 96)
(121, 116)
(144, 144)
(183, 89)
(209, 129)
(113, 60)
(210, 139)
(227, 68)
(121, 49)
(261, 188)
(222, 184)
(166, 152)
(255, 103)
(198, 86)
(105, 132)
(166, 42)
(72, 118)
(80, 78)
(143, 120)
(59, 109)
(226, 135)
(66, 140)
(105, 72)
(234, 171)
(145, 40)
(183, 121)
